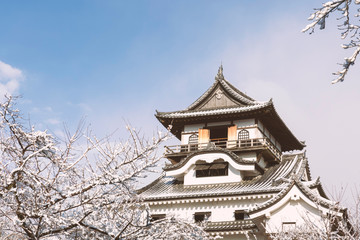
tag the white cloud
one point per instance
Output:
(10, 78)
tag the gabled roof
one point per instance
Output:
(305, 187)
(220, 83)
(223, 102)
(274, 180)
(295, 181)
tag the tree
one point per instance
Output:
(346, 26)
(82, 189)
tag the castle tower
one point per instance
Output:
(230, 169)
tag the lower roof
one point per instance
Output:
(272, 181)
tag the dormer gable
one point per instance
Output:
(213, 166)
(221, 95)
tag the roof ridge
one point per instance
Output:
(248, 99)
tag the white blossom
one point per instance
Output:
(348, 14)
(64, 191)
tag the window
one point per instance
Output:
(244, 138)
(193, 142)
(239, 215)
(212, 169)
(243, 135)
(193, 139)
(201, 216)
(156, 217)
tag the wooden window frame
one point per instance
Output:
(201, 216)
(209, 170)
(243, 135)
(239, 215)
(192, 139)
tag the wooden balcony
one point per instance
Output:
(233, 145)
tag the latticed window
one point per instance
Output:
(244, 134)
(193, 142)
(193, 139)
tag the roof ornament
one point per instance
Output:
(220, 75)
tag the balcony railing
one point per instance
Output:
(224, 143)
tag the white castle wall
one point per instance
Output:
(220, 210)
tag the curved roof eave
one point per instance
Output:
(272, 181)
(305, 190)
(202, 151)
(211, 112)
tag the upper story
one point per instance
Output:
(226, 118)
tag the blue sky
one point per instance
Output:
(118, 61)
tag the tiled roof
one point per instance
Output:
(273, 180)
(198, 113)
(241, 107)
(295, 179)
(229, 225)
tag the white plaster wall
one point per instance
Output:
(253, 132)
(220, 210)
(193, 127)
(250, 156)
(294, 207)
(185, 137)
(258, 133)
(294, 211)
(245, 122)
(211, 124)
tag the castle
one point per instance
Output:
(238, 168)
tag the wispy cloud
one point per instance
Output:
(10, 78)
